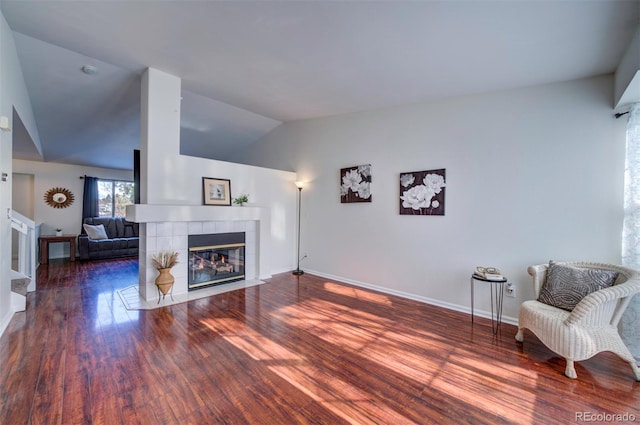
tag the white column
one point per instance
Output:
(159, 146)
(159, 135)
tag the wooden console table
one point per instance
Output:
(44, 242)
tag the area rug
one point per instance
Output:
(132, 300)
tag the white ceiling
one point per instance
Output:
(248, 66)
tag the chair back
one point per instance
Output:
(603, 306)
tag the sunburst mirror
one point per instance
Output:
(58, 197)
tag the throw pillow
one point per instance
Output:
(567, 285)
(95, 232)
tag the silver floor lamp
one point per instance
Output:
(297, 271)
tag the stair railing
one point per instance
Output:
(26, 245)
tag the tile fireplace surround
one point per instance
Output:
(166, 227)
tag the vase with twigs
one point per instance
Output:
(164, 261)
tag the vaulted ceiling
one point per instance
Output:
(247, 66)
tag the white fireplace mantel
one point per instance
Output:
(147, 214)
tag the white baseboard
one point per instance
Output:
(431, 301)
(5, 322)
(18, 302)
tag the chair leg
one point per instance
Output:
(520, 335)
(636, 370)
(570, 370)
(623, 352)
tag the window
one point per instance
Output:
(113, 197)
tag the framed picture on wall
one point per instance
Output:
(422, 192)
(355, 184)
(216, 191)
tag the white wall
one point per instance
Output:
(13, 95)
(532, 174)
(47, 175)
(168, 178)
(270, 188)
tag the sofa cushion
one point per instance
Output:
(95, 232)
(565, 286)
(108, 245)
(132, 242)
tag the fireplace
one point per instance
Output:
(215, 259)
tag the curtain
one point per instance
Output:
(630, 322)
(90, 197)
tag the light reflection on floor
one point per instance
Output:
(422, 357)
(349, 291)
(341, 398)
(110, 310)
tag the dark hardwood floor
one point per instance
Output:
(294, 350)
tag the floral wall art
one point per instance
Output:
(355, 184)
(422, 192)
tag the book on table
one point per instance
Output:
(493, 276)
(488, 273)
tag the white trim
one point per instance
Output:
(456, 307)
(18, 302)
(5, 322)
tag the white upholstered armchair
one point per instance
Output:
(591, 327)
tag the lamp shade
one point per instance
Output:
(299, 185)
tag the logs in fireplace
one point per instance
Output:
(215, 259)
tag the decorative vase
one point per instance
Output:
(58, 232)
(164, 281)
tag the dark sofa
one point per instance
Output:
(123, 239)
